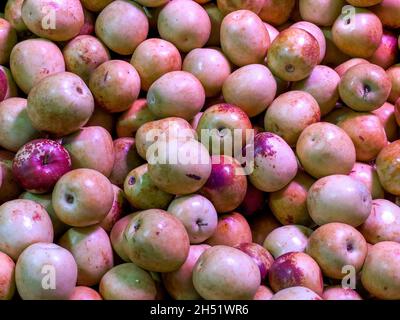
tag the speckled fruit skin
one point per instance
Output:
(39, 164)
(290, 113)
(156, 241)
(169, 128)
(13, 14)
(15, 127)
(34, 59)
(184, 176)
(153, 58)
(95, 5)
(328, 201)
(296, 293)
(295, 269)
(388, 11)
(92, 252)
(335, 245)
(228, 6)
(232, 230)
(388, 167)
(339, 293)
(365, 87)
(132, 119)
(276, 12)
(260, 256)
(176, 94)
(263, 293)
(275, 164)
(22, 223)
(291, 238)
(210, 66)
(9, 188)
(380, 274)
(7, 275)
(197, 214)
(358, 34)
(85, 293)
(117, 210)
(383, 224)
(227, 184)
(91, 148)
(127, 282)
(142, 193)
(179, 283)
(82, 197)
(53, 108)
(386, 114)
(215, 278)
(252, 88)
(117, 235)
(126, 159)
(185, 24)
(293, 54)
(327, 145)
(289, 205)
(68, 14)
(323, 85)
(244, 38)
(368, 175)
(8, 39)
(84, 54)
(322, 13)
(122, 26)
(52, 259)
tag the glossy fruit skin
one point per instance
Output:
(214, 278)
(8, 88)
(122, 26)
(386, 54)
(85, 293)
(324, 205)
(275, 163)
(342, 68)
(380, 274)
(227, 184)
(7, 274)
(368, 175)
(179, 283)
(8, 39)
(39, 164)
(127, 281)
(156, 241)
(244, 38)
(289, 205)
(117, 235)
(387, 115)
(363, 36)
(142, 193)
(335, 245)
(185, 24)
(260, 255)
(91, 148)
(153, 58)
(13, 14)
(252, 88)
(23, 222)
(92, 251)
(293, 54)
(322, 13)
(333, 56)
(82, 197)
(296, 293)
(118, 209)
(46, 107)
(15, 127)
(291, 238)
(328, 145)
(365, 87)
(197, 214)
(232, 230)
(34, 59)
(50, 258)
(388, 168)
(276, 12)
(290, 113)
(69, 18)
(383, 224)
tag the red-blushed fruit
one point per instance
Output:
(117, 236)
(232, 230)
(386, 114)
(179, 283)
(260, 256)
(84, 293)
(342, 68)
(89, 20)
(252, 202)
(322, 13)
(388, 11)
(276, 12)
(333, 55)
(261, 225)
(387, 52)
(7, 276)
(127, 281)
(12, 13)
(228, 6)
(295, 269)
(340, 293)
(388, 167)
(8, 39)
(367, 174)
(394, 75)
(263, 293)
(296, 293)
(39, 164)
(224, 272)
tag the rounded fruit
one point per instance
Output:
(7, 274)
(156, 241)
(322, 13)
(277, 12)
(339, 293)
(394, 75)
(223, 272)
(388, 11)
(228, 6)
(8, 39)
(367, 174)
(85, 293)
(13, 14)
(388, 168)
(117, 236)
(296, 293)
(263, 293)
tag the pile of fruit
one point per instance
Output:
(229, 149)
